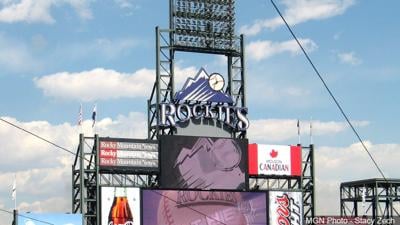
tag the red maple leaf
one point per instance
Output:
(273, 153)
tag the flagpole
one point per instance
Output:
(94, 114)
(311, 137)
(15, 201)
(363, 196)
(14, 191)
(80, 119)
(298, 131)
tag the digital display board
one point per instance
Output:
(203, 162)
(274, 160)
(123, 154)
(285, 207)
(183, 207)
(120, 206)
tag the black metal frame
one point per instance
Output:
(381, 199)
(164, 89)
(305, 183)
(87, 180)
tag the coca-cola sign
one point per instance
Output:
(285, 208)
(120, 206)
(123, 154)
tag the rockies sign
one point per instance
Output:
(203, 97)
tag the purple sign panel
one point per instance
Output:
(203, 162)
(182, 207)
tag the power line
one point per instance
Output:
(69, 151)
(37, 220)
(330, 92)
(37, 136)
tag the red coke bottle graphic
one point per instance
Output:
(120, 212)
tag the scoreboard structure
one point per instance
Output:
(196, 165)
(198, 27)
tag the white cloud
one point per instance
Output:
(337, 36)
(334, 165)
(134, 125)
(300, 11)
(349, 58)
(39, 11)
(15, 56)
(278, 130)
(27, 10)
(82, 7)
(124, 3)
(101, 47)
(181, 74)
(44, 171)
(259, 50)
(97, 84)
(103, 84)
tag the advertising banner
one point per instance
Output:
(123, 154)
(49, 218)
(120, 206)
(182, 207)
(285, 208)
(279, 160)
(203, 162)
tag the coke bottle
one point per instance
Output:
(120, 212)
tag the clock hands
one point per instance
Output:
(216, 82)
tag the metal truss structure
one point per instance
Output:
(379, 198)
(201, 27)
(87, 180)
(305, 183)
(196, 27)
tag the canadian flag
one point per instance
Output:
(274, 160)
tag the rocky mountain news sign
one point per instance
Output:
(120, 154)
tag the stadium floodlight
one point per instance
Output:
(203, 23)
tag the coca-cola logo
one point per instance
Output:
(126, 223)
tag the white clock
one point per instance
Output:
(216, 81)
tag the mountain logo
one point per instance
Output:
(204, 88)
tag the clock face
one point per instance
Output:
(216, 82)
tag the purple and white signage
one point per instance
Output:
(203, 162)
(203, 97)
(173, 207)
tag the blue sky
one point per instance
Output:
(57, 54)
(53, 218)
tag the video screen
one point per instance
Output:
(203, 162)
(168, 207)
